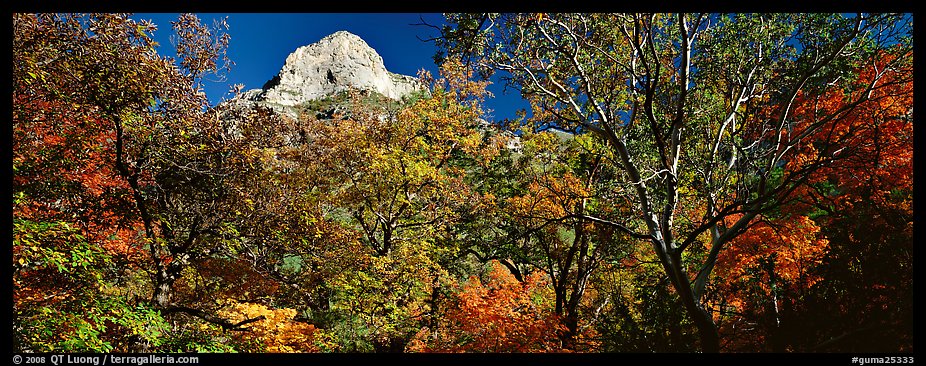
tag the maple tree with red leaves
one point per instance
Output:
(500, 315)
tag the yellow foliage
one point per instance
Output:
(278, 332)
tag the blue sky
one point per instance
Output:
(260, 43)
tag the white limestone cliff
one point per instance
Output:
(335, 63)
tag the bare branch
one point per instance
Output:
(224, 323)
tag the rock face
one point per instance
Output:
(333, 64)
(336, 63)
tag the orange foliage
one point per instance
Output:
(793, 244)
(865, 158)
(549, 198)
(765, 267)
(278, 332)
(62, 156)
(498, 316)
(871, 146)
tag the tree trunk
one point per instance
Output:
(572, 329)
(707, 331)
(166, 276)
(162, 289)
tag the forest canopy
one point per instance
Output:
(680, 183)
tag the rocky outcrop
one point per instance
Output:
(336, 63)
(315, 72)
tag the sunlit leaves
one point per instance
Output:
(277, 331)
(199, 48)
(110, 140)
(500, 315)
(779, 253)
(762, 182)
(64, 298)
(708, 116)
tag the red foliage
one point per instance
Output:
(763, 270)
(865, 160)
(220, 279)
(501, 315)
(871, 146)
(63, 165)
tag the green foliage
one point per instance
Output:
(637, 322)
(707, 116)
(753, 194)
(339, 104)
(86, 315)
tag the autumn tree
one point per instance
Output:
(146, 167)
(552, 184)
(367, 198)
(276, 330)
(700, 110)
(857, 204)
(498, 314)
(763, 276)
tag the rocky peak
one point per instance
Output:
(333, 64)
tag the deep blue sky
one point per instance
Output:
(260, 43)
